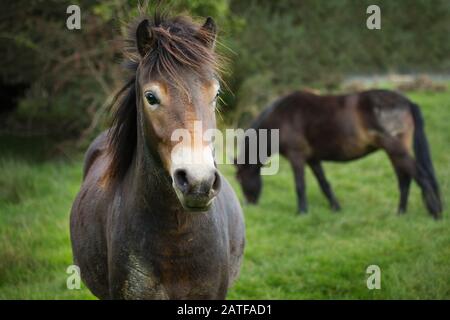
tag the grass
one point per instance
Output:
(318, 256)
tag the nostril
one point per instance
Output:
(216, 183)
(181, 179)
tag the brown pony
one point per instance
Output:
(147, 222)
(343, 128)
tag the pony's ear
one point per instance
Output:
(209, 32)
(143, 37)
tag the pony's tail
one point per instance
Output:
(423, 159)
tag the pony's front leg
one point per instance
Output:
(298, 166)
(133, 278)
(319, 173)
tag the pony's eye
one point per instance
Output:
(151, 98)
(217, 94)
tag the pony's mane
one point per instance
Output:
(176, 44)
(258, 121)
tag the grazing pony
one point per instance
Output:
(343, 128)
(149, 223)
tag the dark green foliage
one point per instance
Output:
(288, 44)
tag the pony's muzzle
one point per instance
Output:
(196, 186)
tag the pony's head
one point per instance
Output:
(176, 85)
(249, 177)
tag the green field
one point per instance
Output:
(322, 255)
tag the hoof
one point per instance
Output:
(437, 215)
(336, 207)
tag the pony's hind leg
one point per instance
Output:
(404, 183)
(319, 173)
(405, 166)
